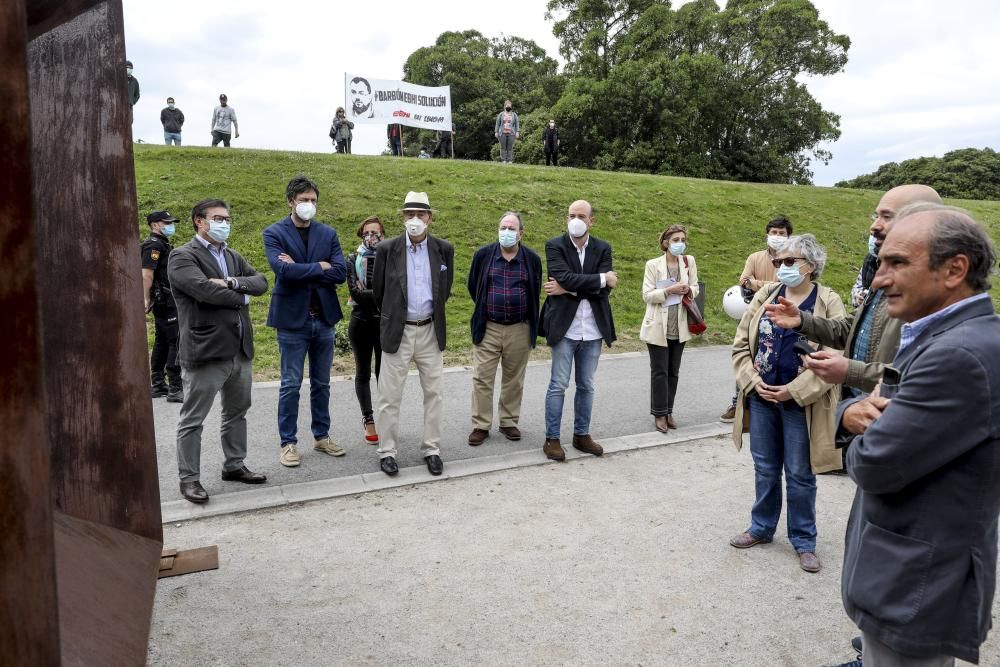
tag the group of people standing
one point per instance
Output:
(894, 407)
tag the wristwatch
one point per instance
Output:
(231, 283)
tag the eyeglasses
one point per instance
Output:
(787, 261)
(219, 218)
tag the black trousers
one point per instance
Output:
(363, 332)
(664, 367)
(552, 157)
(164, 354)
(224, 137)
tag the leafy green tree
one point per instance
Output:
(699, 91)
(968, 173)
(483, 73)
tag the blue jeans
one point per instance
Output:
(315, 338)
(174, 137)
(564, 353)
(779, 438)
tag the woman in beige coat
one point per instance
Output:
(664, 328)
(790, 410)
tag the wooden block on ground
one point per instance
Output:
(190, 560)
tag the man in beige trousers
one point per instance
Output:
(505, 281)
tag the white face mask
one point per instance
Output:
(305, 210)
(415, 227)
(677, 249)
(577, 227)
(775, 242)
(508, 238)
(218, 230)
(170, 105)
(128, 71)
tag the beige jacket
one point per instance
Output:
(759, 269)
(817, 397)
(654, 323)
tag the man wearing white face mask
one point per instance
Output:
(575, 319)
(156, 289)
(308, 264)
(212, 285)
(759, 271)
(412, 282)
(505, 280)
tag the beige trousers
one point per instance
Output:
(420, 345)
(509, 346)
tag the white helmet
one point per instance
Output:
(733, 303)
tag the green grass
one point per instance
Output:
(725, 220)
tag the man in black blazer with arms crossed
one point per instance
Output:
(212, 285)
(576, 317)
(412, 282)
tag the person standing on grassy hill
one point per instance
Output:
(757, 272)
(505, 281)
(133, 88)
(507, 130)
(550, 144)
(340, 131)
(156, 288)
(224, 123)
(212, 285)
(172, 120)
(413, 276)
(308, 264)
(575, 319)
(393, 134)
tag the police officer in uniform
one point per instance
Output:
(165, 373)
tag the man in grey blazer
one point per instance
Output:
(212, 285)
(920, 557)
(412, 282)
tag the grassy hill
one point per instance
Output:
(725, 220)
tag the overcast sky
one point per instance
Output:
(917, 83)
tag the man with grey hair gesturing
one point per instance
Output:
(505, 280)
(920, 556)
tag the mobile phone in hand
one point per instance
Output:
(802, 347)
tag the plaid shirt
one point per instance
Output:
(507, 289)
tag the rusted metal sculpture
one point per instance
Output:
(80, 534)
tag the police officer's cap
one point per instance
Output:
(160, 216)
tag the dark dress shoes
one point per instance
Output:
(194, 492)
(244, 475)
(388, 465)
(434, 464)
(511, 432)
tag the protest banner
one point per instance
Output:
(383, 101)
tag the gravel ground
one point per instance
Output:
(622, 560)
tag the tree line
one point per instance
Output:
(696, 91)
(968, 173)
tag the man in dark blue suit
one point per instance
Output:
(308, 265)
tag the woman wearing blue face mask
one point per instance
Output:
(363, 329)
(667, 279)
(790, 410)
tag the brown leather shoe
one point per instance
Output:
(477, 436)
(809, 562)
(510, 432)
(745, 540)
(670, 422)
(553, 449)
(586, 444)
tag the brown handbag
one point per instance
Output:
(695, 318)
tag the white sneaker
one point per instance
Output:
(328, 446)
(289, 456)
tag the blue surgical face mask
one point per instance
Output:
(677, 249)
(168, 230)
(219, 231)
(872, 248)
(508, 238)
(790, 276)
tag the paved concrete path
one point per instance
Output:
(622, 560)
(621, 408)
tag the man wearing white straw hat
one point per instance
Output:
(412, 282)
